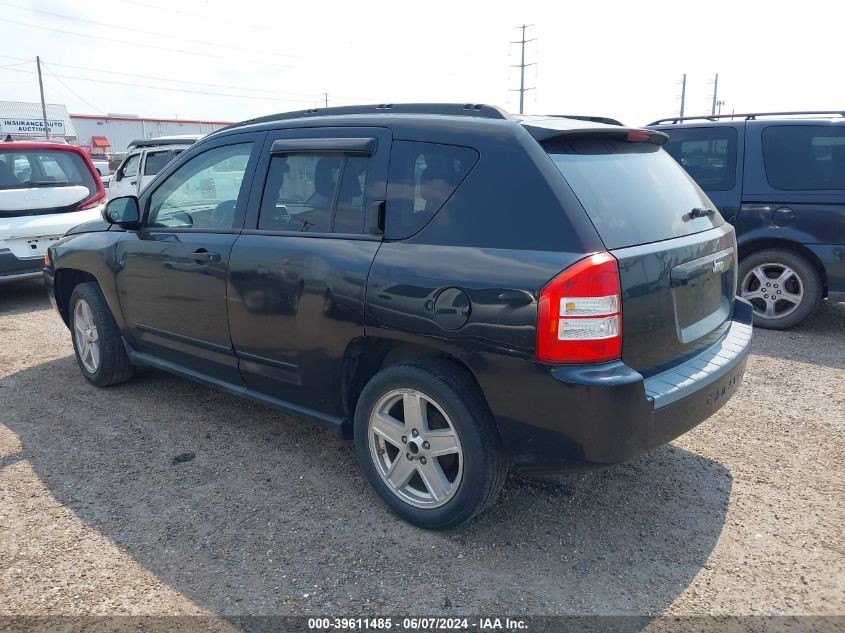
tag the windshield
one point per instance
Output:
(633, 192)
(44, 168)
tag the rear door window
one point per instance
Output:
(315, 192)
(804, 157)
(633, 192)
(156, 161)
(708, 154)
(422, 177)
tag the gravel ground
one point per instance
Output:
(744, 515)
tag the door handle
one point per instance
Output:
(133, 182)
(204, 256)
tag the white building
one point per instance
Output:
(114, 132)
(21, 120)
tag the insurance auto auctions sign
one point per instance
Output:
(31, 126)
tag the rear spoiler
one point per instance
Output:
(542, 134)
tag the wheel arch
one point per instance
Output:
(775, 243)
(66, 279)
(367, 355)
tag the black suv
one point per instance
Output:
(455, 288)
(779, 178)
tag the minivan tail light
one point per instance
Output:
(579, 317)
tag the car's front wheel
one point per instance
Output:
(96, 340)
(783, 287)
(427, 443)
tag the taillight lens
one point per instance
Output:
(579, 316)
(92, 202)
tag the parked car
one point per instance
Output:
(780, 179)
(45, 189)
(144, 160)
(545, 292)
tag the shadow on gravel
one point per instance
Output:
(819, 340)
(270, 516)
(23, 296)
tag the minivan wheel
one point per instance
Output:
(783, 287)
(99, 350)
(427, 443)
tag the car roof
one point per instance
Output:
(21, 146)
(404, 117)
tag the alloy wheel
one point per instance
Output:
(415, 448)
(87, 338)
(774, 290)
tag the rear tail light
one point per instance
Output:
(92, 202)
(579, 317)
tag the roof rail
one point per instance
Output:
(447, 109)
(188, 139)
(748, 116)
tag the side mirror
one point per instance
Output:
(123, 210)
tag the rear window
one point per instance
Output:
(634, 192)
(44, 168)
(707, 154)
(805, 157)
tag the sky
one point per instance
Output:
(231, 60)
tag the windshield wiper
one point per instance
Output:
(700, 212)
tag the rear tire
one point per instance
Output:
(457, 465)
(783, 287)
(96, 340)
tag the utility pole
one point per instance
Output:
(715, 92)
(43, 105)
(326, 95)
(522, 89)
(683, 93)
(720, 103)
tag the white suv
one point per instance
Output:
(45, 189)
(145, 159)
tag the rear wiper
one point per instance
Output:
(700, 212)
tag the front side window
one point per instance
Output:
(314, 192)
(130, 167)
(422, 177)
(805, 157)
(707, 154)
(198, 195)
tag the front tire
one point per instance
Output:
(783, 287)
(427, 443)
(96, 340)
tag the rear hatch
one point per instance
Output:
(677, 256)
(42, 181)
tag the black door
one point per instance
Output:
(298, 272)
(172, 272)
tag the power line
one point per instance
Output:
(149, 46)
(171, 10)
(71, 90)
(194, 83)
(201, 92)
(145, 32)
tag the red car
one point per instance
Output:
(45, 189)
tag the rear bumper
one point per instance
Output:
(13, 268)
(589, 416)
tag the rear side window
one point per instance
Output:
(315, 192)
(707, 154)
(633, 192)
(43, 168)
(805, 157)
(155, 162)
(422, 177)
